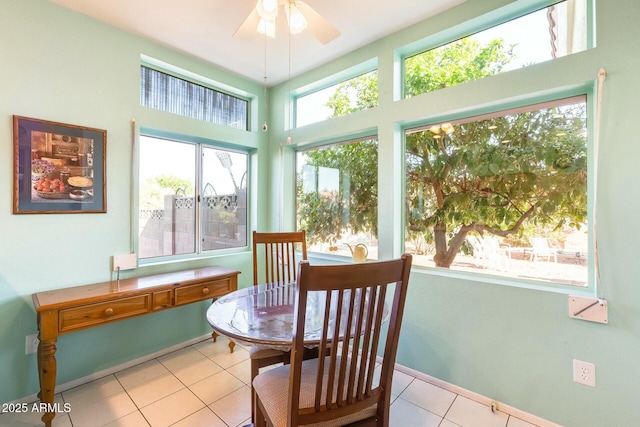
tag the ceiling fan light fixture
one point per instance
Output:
(267, 27)
(297, 21)
(267, 9)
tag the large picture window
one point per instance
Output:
(337, 197)
(192, 198)
(504, 193)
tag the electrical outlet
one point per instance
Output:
(31, 344)
(584, 373)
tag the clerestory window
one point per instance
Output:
(552, 32)
(338, 100)
(177, 95)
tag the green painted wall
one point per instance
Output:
(61, 66)
(511, 344)
(514, 345)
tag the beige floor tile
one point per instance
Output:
(226, 360)
(218, 395)
(469, 413)
(93, 391)
(399, 382)
(154, 389)
(235, 407)
(172, 408)
(134, 419)
(242, 371)
(196, 370)
(429, 397)
(180, 358)
(141, 373)
(203, 417)
(216, 387)
(102, 412)
(404, 413)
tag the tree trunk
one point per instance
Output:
(446, 253)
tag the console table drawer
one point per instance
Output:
(95, 314)
(202, 291)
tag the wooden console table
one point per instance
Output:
(67, 310)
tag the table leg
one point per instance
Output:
(47, 375)
(214, 335)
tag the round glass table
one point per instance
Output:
(263, 316)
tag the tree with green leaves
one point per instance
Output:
(498, 175)
(327, 213)
(493, 176)
(156, 187)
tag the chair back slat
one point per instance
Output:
(354, 387)
(354, 312)
(375, 339)
(280, 263)
(323, 344)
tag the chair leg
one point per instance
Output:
(255, 369)
(261, 420)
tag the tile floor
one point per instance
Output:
(205, 385)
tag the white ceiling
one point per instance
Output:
(204, 29)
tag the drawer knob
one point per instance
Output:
(205, 291)
(108, 312)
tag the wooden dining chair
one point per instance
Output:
(341, 388)
(279, 266)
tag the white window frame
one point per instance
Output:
(199, 143)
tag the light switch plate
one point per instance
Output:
(125, 262)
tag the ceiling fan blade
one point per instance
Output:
(317, 25)
(248, 29)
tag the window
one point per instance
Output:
(549, 33)
(175, 95)
(338, 100)
(337, 197)
(192, 198)
(504, 193)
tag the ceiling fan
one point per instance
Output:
(300, 16)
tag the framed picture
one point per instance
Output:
(58, 168)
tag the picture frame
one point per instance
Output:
(58, 168)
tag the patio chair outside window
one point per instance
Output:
(541, 249)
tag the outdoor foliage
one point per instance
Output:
(496, 175)
(501, 175)
(327, 213)
(155, 188)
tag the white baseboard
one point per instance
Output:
(502, 407)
